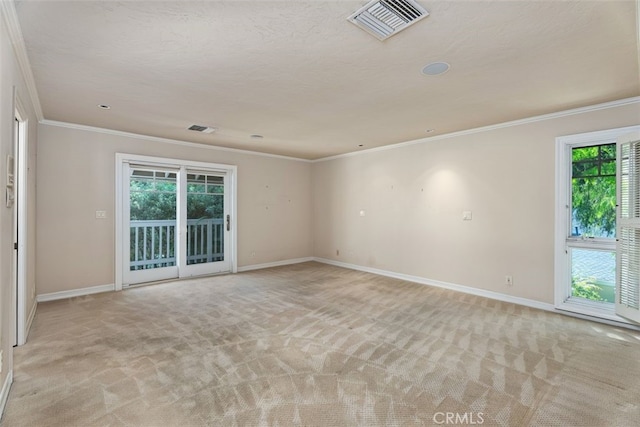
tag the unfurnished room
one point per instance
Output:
(319, 213)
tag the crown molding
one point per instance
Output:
(15, 35)
(167, 140)
(534, 119)
(7, 7)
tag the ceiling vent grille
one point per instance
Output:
(384, 18)
(203, 129)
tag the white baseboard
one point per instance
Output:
(4, 393)
(452, 286)
(76, 292)
(32, 315)
(275, 264)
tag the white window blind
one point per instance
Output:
(628, 222)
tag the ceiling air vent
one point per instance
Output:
(384, 18)
(203, 129)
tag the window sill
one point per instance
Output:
(598, 310)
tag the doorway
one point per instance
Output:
(175, 219)
(16, 198)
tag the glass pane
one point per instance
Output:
(219, 189)
(152, 209)
(593, 275)
(593, 191)
(594, 207)
(205, 218)
(608, 151)
(583, 169)
(609, 168)
(584, 153)
(195, 188)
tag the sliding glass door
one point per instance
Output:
(176, 222)
(206, 223)
(152, 219)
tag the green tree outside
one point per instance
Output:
(593, 198)
(153, 197)
(594, 190)
(156, 200)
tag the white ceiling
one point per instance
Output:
(314, 84)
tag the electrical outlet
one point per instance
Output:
(508, 280)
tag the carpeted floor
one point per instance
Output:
(316, 345)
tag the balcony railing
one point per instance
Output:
(153, 242)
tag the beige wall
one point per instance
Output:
(414, 196)
(76, 171)
(10, 78)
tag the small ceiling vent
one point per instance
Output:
(203, 129)
(384, 18)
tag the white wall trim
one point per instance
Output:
(534, 119)
(4, 393)
(15, 34)
(32, 315)
(275, 264)
(76, 292)
(484, 293)
(167, 140)
(439, 284)
(596, 137)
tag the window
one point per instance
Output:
(588, 257)
(593, 190)
(593, 216)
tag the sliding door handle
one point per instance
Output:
(228, 222)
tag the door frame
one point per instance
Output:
(562, 273)
(19, 269)
(121, 158)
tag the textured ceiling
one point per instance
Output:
(314, 84)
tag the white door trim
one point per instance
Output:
(121, 158)
(21, 188)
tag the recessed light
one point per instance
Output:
(435, 68)
(256, 136)
(104, 106)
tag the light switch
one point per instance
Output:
(466, 216)
(101, 214)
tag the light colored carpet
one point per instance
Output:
(317, 345)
